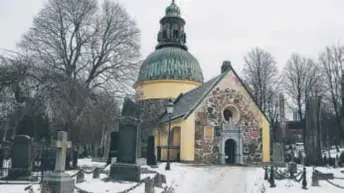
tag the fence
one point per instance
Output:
(272, 174)
(31, 170)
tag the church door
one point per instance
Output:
(175, 144)
(230, 148)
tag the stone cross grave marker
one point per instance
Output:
(58, 181)
(61, 144)
(278, 154)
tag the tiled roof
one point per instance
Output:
(185, 102)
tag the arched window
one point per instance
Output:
(164, 34)
(175, 31)
(175, 34)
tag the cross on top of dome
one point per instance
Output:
(173, 9)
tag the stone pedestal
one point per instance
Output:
(222, 159)
(59, 182)
(292, 167)
(125, 172)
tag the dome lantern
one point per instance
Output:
(171, 59)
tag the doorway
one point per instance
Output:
(230, 149)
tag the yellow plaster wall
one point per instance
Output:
(266, 139)
(163, 89)
(187, 138)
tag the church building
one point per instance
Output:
(213, 122)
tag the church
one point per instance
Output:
(213, 122)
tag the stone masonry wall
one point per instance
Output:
(150, 110)
(210, 113)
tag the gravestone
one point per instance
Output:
(323, 176)
(292, 167)
(151, 159)
(158, 180)
(341, 158)
(278, 155)
(75, 157)
(149, 186)
(159, 153)
(96, 173)
(21, 157)
(68, 160)
(129, 150)
(2, 156)
(48, 159)
(59, 181)
(113, 146)
(80, 177)
(336, 162)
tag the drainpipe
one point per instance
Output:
(222, 151)
(239, 146)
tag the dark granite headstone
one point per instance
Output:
(325, 176)
(75, 157)
(21, 156)
(151, 159)
(159, 153)
(126, 167)
(2, 156)
(113, 146)
(96, 173)
(48, 159)
(127, 143)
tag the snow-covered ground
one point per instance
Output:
(87, 163)
(288, 186)
(187, 178)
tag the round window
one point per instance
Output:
(228, 115)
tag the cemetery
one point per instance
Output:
(87, 105)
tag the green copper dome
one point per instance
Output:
(171, 63)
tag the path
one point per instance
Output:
(216, 179)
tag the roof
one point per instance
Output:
(186, 103)
(172, 63)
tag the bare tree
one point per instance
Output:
(273, 109)
(82, 49)
(301, 79)
(332, 62)
(261, 75)
(98, 46)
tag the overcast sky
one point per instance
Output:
(217, 30)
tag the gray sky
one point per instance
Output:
(217, 30)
